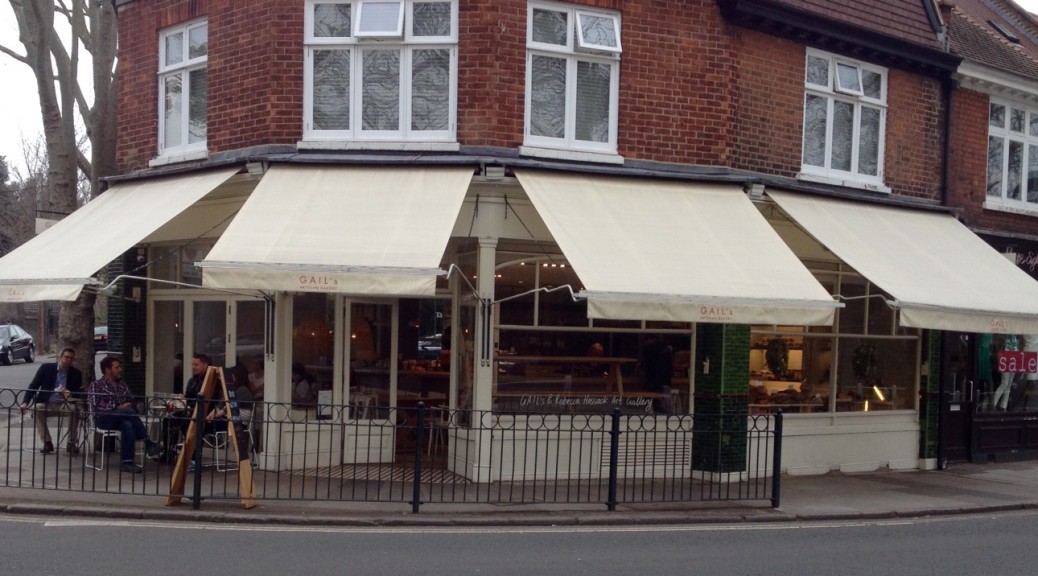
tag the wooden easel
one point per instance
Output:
(213, 376)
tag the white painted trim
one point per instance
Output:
(568, 154)
(864, 185)
(999, 205)
(315, 144)
(165, 159)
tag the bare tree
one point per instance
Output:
(91, 26)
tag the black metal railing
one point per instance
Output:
(412, 455)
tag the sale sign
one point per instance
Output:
(1026, 362)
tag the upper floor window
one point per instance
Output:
(572, 77)
(381, 70)
(844, 118)
(1012, 153)
(183, 88)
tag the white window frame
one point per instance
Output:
(1029, 142)
(835, 92)
(574, 51)
(406, 45)
(396, 32)
(182, 70)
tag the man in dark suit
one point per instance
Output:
(51, 393)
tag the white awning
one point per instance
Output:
(660, 250)
(56, 264)
(939, 273)
(341, 229)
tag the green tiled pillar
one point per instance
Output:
(929, 409)
(721, 402)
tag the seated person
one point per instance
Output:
(49, 394)
(303, 392)
(114, 409)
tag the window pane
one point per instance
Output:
(381, 90)
(174, 49)
(1034, 124)
(817, 71)
(173, 98)
(997, 116)
(1015, 176)
(868, 142)
(847, 76)
(431, 19)
(548, 97)
(598, 30)
(379, 16)
(872, 83)
(550, 27)
(843, 132)
(332, 21)
(198, 39)
(995, 146)
(1016, 120)
(1032, 173)
(593, 82)
(430, 89)
(196, 127)
(815, 120)
(331, 90)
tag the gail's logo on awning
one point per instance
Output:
(15, 293)
(315, 283)
(999, 326)
(716, 313)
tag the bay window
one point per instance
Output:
(183, 88)
(572, 78)
(381, 70)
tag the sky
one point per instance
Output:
(19, 106)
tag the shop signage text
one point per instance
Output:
(716, 313)
(561, 401)
(1009, 361)
(317, 283)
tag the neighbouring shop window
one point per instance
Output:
(183, 88)
(177, 264)
(551, 358)
(168, 350)
(572, 78)
(863, 363)
(423, 370)
(378, 70)
(1012, 155)
(1007, 373)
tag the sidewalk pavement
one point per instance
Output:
(960, 489)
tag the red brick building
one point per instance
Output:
(764, 186)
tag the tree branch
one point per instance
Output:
(15, 55)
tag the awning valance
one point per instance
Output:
(341, 229)
(939, 273)
(674, 251)
(56, 264)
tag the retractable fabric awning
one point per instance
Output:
(940, 274)
(672, 251)
(341, 229)
(57, 264)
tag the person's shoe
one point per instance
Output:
(47, 448)
(131, 468)
(72, 449)
(154, 450)
(191, 468)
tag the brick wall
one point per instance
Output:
(693, 88)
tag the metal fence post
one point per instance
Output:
(776, 463)
(614, 457)
(416, 494)
(196, 459)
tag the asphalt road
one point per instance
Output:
(969, 545)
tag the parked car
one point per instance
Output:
(16, 343)
(100, 338)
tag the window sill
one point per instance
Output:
(1018, 208)
(165, 159)
(576, 155)
(836, 181)
(378, 145)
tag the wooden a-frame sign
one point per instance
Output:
(176, 484)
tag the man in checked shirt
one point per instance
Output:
(114, 409)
